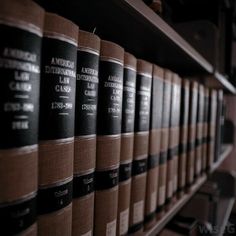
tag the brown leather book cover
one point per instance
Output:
(127, 141)
(110, 95)
(164, 142)
(141, 136)
(192, 133)
(56, 125)
(21, 24)
(199, 132)
(85, 133)
(183, 137)
(154, 146)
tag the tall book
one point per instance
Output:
(56, 133)
(141, 137)
(211, 128)
(192, 122)
(154, 146)
(183, 136)
(205, 128)
(164, 142)
(85, 133)
(199, 132)
(127, 141)
(21, 25)
(108, 137)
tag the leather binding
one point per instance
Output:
(154, 146)
(211, 128)
(205, 128)
(192, 133)
(85, 133)
(108, 137)
(141, 137)
(199, 133)
(20, 76)
(127, 141)
(183, 137)
(56, 125)
(164, 142)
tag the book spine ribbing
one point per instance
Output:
(19, 101)
(56, 125)
(108, 137)
(141, 137)
(85, 133)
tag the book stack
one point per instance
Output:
(119, 139)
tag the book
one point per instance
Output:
(56, 125)
(127, 141)
(183, 135)
(154, 146)
(110, 94)
(141, 138)
(21, 24)
(164, 142)
(85, 132)
(192, 122)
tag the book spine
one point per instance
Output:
(20, 82)
(141, 136)
(199, 132)
(127, 140)
(108, 137)
(56, 125)
(184, 117)
(154, 146)
(85, 133)
(164, 142)
(211, 127)
(192, 133)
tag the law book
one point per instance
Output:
(164, 142)
(85, 132)
(183, 135)
(140, 151)
(110, 94)
(21, 24)
(127, 141)
(211, 128)
(154, 146)
(205, 128)
(192, 123)
(56, 125)
(199, 132)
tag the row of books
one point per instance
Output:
(93, 140)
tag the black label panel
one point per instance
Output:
(125, 171)
(106, 179)
(153, 161)
(58, 81)
(20, 77)
(143, 99)
(55, 198)
(163, 157)
(110, 98)
(139, 166)
(86, 93)
(18, 217)
(128, 107)
(182, 148)
(172, 152)
(83, 185)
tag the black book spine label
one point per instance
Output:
(125, 171)
(17, 217)
(20, 77)
(139, 166)
(110, 97)
(54, 198)
(83, 185)
(86, 92)
(153, 161)
(129, 91)
(143, 100)
(58, 81)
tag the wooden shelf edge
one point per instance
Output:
(225, 83)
